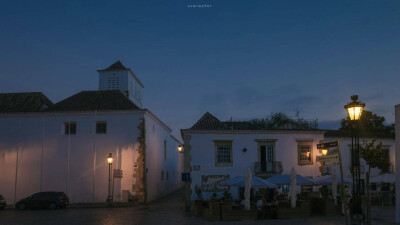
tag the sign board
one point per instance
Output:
(185, 176)
(332, 163)
(327, 145)
(117, 173)
(331, 160)
(332, 157)
(209, 183)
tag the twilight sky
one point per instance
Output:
(238, 58)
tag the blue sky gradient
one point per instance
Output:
(240, 59)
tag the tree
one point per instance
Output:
(280, 120)
(374, 155)
(369, 123)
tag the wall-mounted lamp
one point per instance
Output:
(244, 149)
(324, 151)
(180, 148)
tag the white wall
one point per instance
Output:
(345, 148)
(67, 161)
(286, 151)
(156, 162)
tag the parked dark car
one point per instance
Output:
(3, 202)
(42, 200)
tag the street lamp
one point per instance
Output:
(180, 148)
(110, 161)
(354, 109)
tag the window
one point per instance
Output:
(305, 153)
(162, 175)
(372, 186)
(70, 128)
(167, 175)
(223, 153)
(101, 127)
(385, 153)
(113, 82)
(385, 186)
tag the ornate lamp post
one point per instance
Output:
(110, 161)
(354, 109)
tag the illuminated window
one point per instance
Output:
(304, 153)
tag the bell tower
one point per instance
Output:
(118, 77)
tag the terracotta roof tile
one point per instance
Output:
(95, 100)
(23, 102)
(116, 66)
(210, 122)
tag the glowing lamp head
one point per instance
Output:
(110, 158)
(180, 148)
(324, 151)
(354, 108)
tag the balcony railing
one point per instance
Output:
(268, 168)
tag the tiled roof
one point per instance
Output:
(116, 66)
(23, 102)
(94, 100)
(210, 122)
(347, 133)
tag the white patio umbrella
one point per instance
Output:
(240, 181)
(334, 184)
(293, 188)
(384, 178)
(247, 190)
(328, 179)
(285, 180)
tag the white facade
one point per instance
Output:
(49, 160)
(285, 150)
(163, 161)
(345, 148)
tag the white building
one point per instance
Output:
(64, 146)
(216, 150)
(344, 138)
